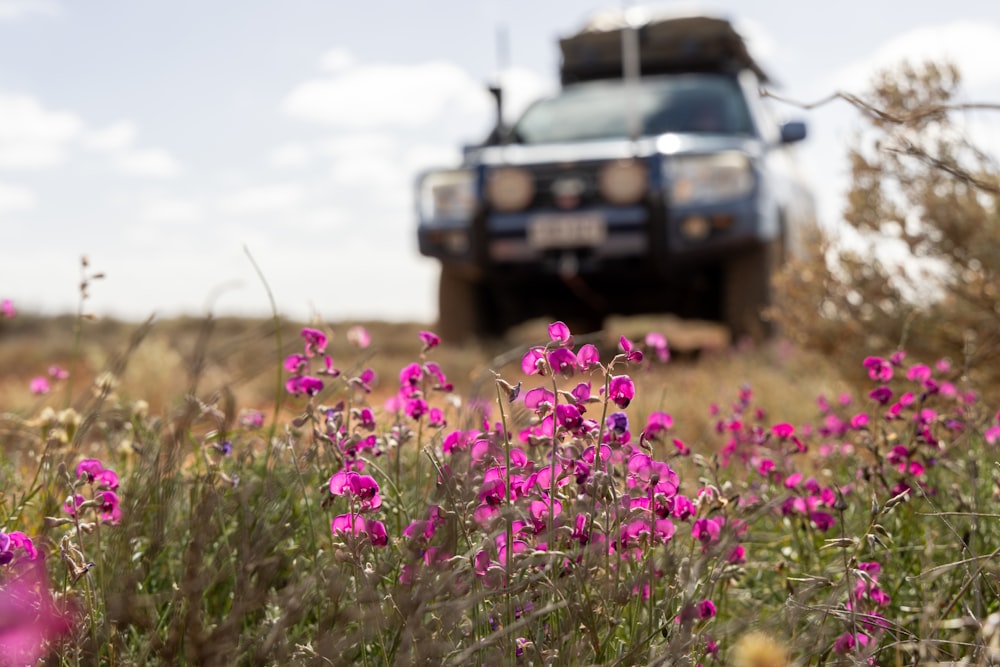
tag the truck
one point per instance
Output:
(658, 179)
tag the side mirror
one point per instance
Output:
(793, 131)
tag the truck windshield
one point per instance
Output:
(698, 103)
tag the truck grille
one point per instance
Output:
(566, 186)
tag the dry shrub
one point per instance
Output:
(914, 264)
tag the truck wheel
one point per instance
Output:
(460, 308)
(748, 292)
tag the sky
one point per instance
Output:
(179, 143)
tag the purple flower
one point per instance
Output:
(706, 609)
(429, 339)
(562, 361)
(32, 620)
(295, 363)
(559, 333)
(39, 386)
(109, 506)
(357, 526)
(359, 336)
(58, 372)
(533, 361)
(315, 341)
(878, 369)
(587, 357)
(632, 353)
(621, 390)
(658, 343)
(303, 384)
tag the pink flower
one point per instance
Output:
(58, 372)
(315, 341)
(32, 621)
(357, 526)
(621, 390)
(658, 343)
(303, 384)
(706, 609)
(783, 430)
(109, 507)
(562, 361)
(533, 362)
(878, 369)
(658, 422)
(295, 363)
(39, 386)
(359, 336)
(7, 309)
(632, 353)
(587, 357)
(429, 339)
(559, 333)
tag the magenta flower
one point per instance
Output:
(31, 620)
(415, 408)
(15, 540)
(315, 341)
(658, 343)
(560, 333)
(533, 362)
(410, 378)
(706, 530)
(878, 369)
(73, 503)
(357, 526)
(632, 353)
(588, 357)
(303, 384)
(58, 372)
(251, 419)
(109, 507)
(88, 469)
(429, 339)
(539, 399)
(7, 309)
(562, 361)
(706, 609)
(783, 430)
(39, 386)
(359, 336)
(621, 390)
(362, 487)
(658, 422)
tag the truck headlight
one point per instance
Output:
(510, 189)
(447, 195)
(708, 178)
(623, 182)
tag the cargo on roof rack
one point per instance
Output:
(666, 44)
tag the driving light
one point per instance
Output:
(623, 182)
(447, 195)
(510, 189)
(708, 178)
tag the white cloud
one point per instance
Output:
(32, 136)
(16, 198)
(973, 46)
(337, 59)
(388, 96)
(172, 211)
(154, 162)
(111, 139)
(290, 155)
(17, 9)
(274, 198)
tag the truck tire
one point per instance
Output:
(748, 291)
(460, 308)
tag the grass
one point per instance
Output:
(401, 523)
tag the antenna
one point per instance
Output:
(503, 61)
(631, 71)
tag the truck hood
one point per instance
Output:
(666, 144)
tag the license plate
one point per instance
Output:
(566, 230)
